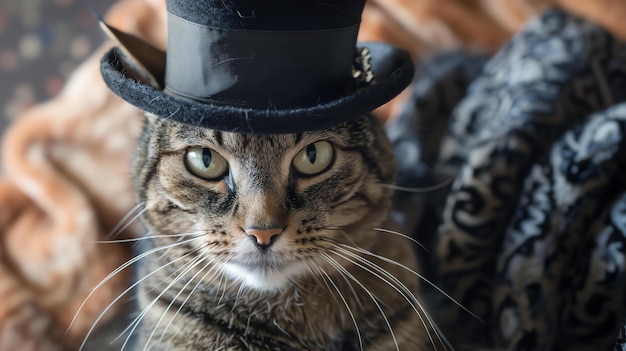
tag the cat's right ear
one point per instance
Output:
(141, 61)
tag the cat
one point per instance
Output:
(273, 242)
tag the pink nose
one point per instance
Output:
(264, 236)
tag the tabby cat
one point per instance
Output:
(273, 242)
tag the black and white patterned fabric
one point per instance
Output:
(530, 236)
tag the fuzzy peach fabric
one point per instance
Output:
(65, 186)
(65, 182)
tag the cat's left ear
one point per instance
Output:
(141, 61)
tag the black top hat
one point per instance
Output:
(258, 66)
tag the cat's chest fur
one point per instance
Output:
(310, 315)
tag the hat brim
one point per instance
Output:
(393, 71)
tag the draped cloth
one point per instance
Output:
(531, 234)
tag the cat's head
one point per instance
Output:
(264, 208)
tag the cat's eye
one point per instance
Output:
(205, 163)
(314, 158)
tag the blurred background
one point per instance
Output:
(41, 42)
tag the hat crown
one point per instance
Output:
(262, 53)
(269, 14)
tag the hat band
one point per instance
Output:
(259, 68)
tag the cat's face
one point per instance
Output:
(262, 208)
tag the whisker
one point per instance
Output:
(314, 276)
(95, 323)
(124, 223)
(181, 240)
(384, 230)
(375, 299)
(203, 279)
(175, 273)
(172, 276)
(323, 282)
(118, 270)
(389, 231)
(220, 272)
(135, 323)
(356, 326)
(354, 293)
(130, 240)
(407, 292)
(418, 190)
(209, 261)
(219, 301)
(366, 252)
(295, 282)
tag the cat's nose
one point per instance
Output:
(264, 237)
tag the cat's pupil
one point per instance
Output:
(206, 157)
(311, 153)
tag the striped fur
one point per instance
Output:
(320, 286)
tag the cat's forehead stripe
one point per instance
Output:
(192, 135)
(218, 137)
(246, 144)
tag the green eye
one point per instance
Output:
(314, 158)
(205, 163)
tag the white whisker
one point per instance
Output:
(384, 230)
(95, 323)
(135, 323)
(405, 294)
(375, 299)
(418, 190)
(146, 237)
(414, 273)
(313, 275)
(316, 275)
(219, 301)
(323, 282)
(124, 223)
(209, 262)
(200, 281)
(356, 326)
(118, 270)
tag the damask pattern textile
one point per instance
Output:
(531, 234)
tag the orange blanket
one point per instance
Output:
(65, 183)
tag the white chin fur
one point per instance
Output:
(265, 280)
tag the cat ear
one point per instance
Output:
(142, 61)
